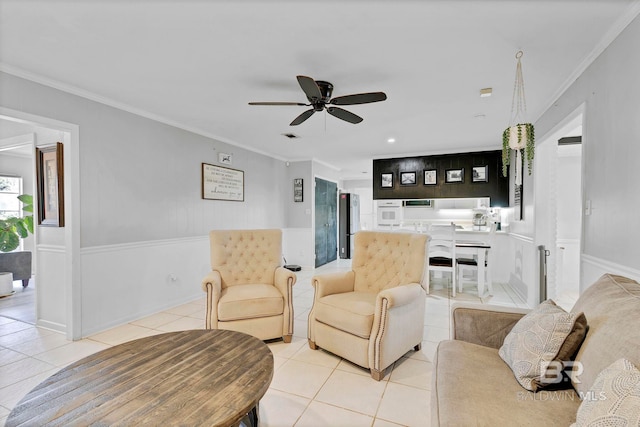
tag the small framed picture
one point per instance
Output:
(480, 174)
(50, 179)
(430, 176)
(297, 190)
(387, 180)
(408, 178)
(454, 175)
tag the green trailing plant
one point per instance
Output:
(13, 228)
(528, 151)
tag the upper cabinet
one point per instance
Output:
(464, 175)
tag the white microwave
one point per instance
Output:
(389, 212)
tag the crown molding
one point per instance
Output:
(633, 10)
(73, 90)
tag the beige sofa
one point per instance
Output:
(472, 385)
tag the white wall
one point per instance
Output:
(140, 192)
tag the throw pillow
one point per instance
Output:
(614, 399)
(535, 341)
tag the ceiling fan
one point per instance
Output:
(319, 95)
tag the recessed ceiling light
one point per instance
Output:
(391, 141)
(486, 92)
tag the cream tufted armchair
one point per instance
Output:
(247, 290)
(373, 314)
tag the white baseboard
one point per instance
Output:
(53, 326)
(592, 268)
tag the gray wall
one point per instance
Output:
(610, 89)
(143, 224)
(140, 179)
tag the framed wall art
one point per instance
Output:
(454, 175)
(387, 180)
(221, 183)
(430, 176)
(50, 181)
(480, 174)
(408, 178)
(297, 190)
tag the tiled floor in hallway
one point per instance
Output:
(309, 388)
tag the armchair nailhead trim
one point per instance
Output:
(378, 343)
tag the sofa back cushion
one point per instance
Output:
(246, 256)
(385, 260)
(612, 308)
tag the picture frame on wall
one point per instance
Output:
(221, 183)
(297, 190)
(430, 176)
(480, 174)
(407, 178)
(386, 180)
(50, 181)
(454, 175)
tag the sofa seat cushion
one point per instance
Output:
(473, 386)
(351, 312)
(249, 301)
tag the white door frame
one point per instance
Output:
(72, 266)
(545, 203)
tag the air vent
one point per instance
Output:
(570, 140)
(291, 135)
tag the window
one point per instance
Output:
(10, 189)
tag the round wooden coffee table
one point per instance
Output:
(197, 377)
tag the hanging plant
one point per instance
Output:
(521, 136)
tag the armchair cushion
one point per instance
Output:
(350, 312)
(249, 301)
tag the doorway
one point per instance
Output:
(326, 221)
(57, 250)
(558, 206)
(16, 178)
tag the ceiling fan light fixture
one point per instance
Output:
(391, 141)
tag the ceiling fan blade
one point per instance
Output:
(359, 98)
(302, 117)
(277, 103)
(344, 115)
(309, 87)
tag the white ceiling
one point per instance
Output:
(196, 64)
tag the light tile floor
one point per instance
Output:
(309, 388)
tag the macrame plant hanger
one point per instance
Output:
(518, 116)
